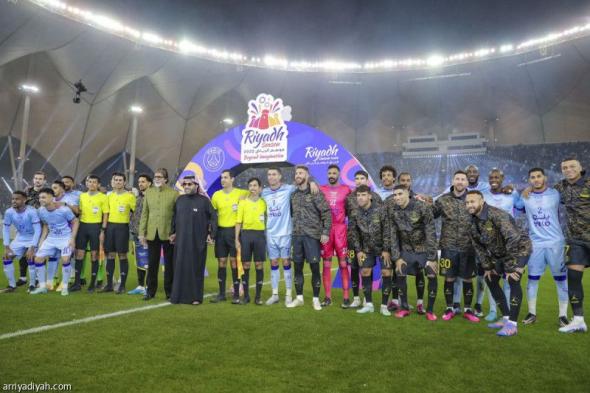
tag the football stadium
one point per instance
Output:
(273, 196)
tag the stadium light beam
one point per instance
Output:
(228, 121)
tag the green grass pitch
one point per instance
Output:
(228, 348)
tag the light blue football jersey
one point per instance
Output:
(278, 210)
(506, 202)
(27, 224)
(542, 212)
(58, 221)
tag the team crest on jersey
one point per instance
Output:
(264, 139)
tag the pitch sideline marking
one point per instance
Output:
(98, 317)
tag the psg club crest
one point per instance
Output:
(213, 159)
(264, 139)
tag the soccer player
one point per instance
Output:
(387, 174)
(457, 259)
(155, 228)
(542, 212)
(278, 231)
(369, 236)
(121, 204)
(498, 197)
(312, 220)
(250, 237)
(405, 179)
(472, 172)
(94, 210)
(39, 179)
(69, 201)
(72, 196)
(144, 182)
(502, 249)
(574, 191)
(473, 183)
(336, 194)
(225, 201)
(413, 245)
(60, 226)
(360, 178)
(28, 230)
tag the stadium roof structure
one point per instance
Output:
(537, 95)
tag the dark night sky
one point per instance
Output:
(347, 29)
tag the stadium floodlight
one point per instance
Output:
(506, 48)
(202, 50)
(152, 38)
(435, 61)
(30, 89)
(228, 121)
(135, 109)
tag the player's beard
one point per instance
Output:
(332, 180)
(542, 186)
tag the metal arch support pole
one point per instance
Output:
(23, 142)
(13, 163)
(132, 153)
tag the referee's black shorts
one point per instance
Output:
(225, 242)
(253, 245)
(116, 238)
(88, 233)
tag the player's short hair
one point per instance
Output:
(474, 192)
(400, 187)
(387, 168)
(257, 180)
(403, 174)
(363, 188)
(459, 172)
(334, 166)
(275, 168)
(471, 166)
(537, 169)
(21, 193)
(93, 177)
(40, 173)
(59, 183)
(68, 177)
(228, 171)
(163, 172)
(361, 173)
(146, 177)
(119, 174)
(47, 190)
(571, 157)
(498, 170)
(306, 169)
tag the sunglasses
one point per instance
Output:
(188, 184)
